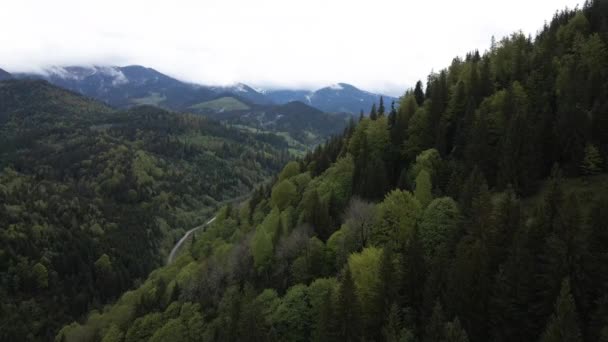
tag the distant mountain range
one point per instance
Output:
(135, 85)
(337, 98)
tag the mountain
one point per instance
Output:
(93, 198)
(128, 86)
(304, 126)
(475, 213)
(125, 86)
(5, 75)
(244, 91)
(337, 98)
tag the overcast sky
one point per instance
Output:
(379, 45)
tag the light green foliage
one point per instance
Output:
(423, 188)
(396, 216)
(417, 134)
(335, 245)
(268, 301)
(407, 109)
(283, 194)
(261, 249)
(578, 25)
(142, 328)
(492, 112)
(359, 138)
(594, 55)
(293, 316)
(318, 292)
(262, 244)
(378, 137)
(337, 180)
(114, 334)
(365, 268)
(439, 223)
(428, 160)
(287, 220)
(290, 170)
(301, 181)
(173, 330)
(144, 169)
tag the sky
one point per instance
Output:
(380, 45)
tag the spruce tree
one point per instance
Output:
(373, 113)
(419, 93)
(454, 332)
(434, 331)
(563, 325)
(592, 162)
(381, 108)
(348, 309)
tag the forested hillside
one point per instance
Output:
(92, 199)
(476, 212)
(303, 126)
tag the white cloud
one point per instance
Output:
(381, 45)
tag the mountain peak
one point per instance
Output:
(335, 98)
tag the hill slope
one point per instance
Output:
(301, 123)
(94, 198)
(411, 226)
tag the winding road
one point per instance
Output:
(181, 241)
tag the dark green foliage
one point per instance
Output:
(563, 325)
(93, 199)
(484, 261)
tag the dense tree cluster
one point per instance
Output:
(92, 199)
(473, 212)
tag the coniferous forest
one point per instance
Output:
(92, 199)
(472, 210)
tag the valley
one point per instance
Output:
(136, 207)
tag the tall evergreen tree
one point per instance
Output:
(419, 93)
(373, 114)
(348, 309)
(563, 325)
(381, 108)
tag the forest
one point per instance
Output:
(473, 211)
(93, 199)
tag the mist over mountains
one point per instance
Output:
(135, 85)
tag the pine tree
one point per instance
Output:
(434, 331)
(327, 322)
(454, 332)
(348, 309)
(563, 325)
(373, 113)
(419, 93)
(381, 108)
(592, 162)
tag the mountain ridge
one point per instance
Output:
(125, 86)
